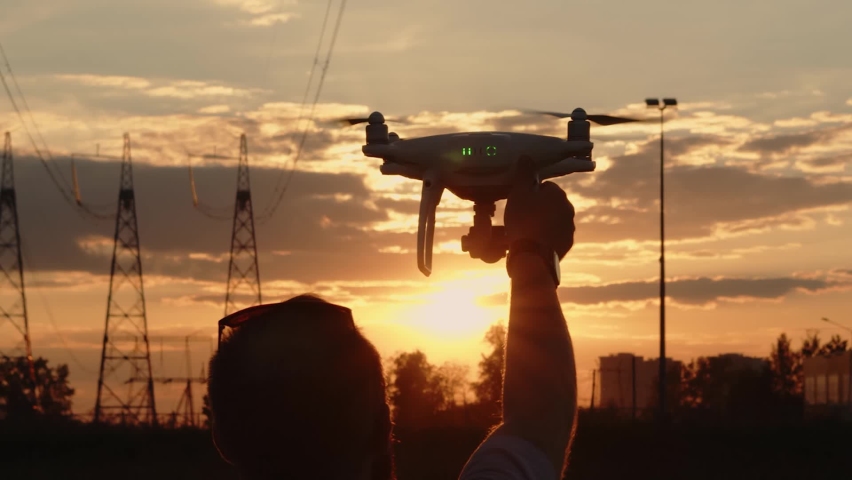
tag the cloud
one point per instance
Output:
(325, 223)
(695, 291)
(192, 89)
(271, 19)
(338, 203)
(834, 163)
(262, 13)
(701, 200)
(131, 83)
(183, 89)
(214, 109)
(690, 292)
(788, 93)
(786, 143)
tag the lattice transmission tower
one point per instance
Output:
(126, 351)
(184, 414)
(13, 299)
(243, 288)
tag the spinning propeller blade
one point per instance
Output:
(605, 120)
(602, 120)
(347, 122)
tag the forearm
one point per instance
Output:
(540, 383)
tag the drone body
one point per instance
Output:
(481, 167)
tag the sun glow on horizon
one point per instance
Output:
(454, 310)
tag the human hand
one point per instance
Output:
(539, 212)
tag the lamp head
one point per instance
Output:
(652, 102)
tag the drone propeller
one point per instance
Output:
(355, 121)
(603, 120)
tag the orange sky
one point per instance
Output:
(758, 180)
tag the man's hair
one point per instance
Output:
(292, 400)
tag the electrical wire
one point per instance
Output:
(27, 107)
(79, 206)
(215, 213)
(307, 87)
(313, 67)
(270, 210)
(29, 269)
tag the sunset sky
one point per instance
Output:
(759, 165)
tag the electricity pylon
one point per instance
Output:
(13, 299)
(126, 352)
(184, 413)
(243, 274)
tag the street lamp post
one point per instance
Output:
(837, 324)
(661, 106)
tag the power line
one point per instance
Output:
(29, 134)
(68, 197)
(27, 107)
(220, 213)
(270, 211)
(305, 95)
(313, 66)
(30, 268)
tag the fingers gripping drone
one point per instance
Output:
(481, 167)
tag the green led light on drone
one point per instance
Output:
(467, 151)
(491, 151)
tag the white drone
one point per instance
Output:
(478, 166)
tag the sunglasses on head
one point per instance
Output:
(320, 314)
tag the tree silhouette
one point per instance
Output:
(785, 365)
(693, 376)
(835, 345)
(415, 390)
(53, 394)
(452, 379)
(206, 410)
(716, 385)
(489, 388)
(810, 346)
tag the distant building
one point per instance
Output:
(616, 379)
(828, 384)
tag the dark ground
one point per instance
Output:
(602, 450)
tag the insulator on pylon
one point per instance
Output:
(192, 186)
(77, 196)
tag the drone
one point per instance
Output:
(481, 167)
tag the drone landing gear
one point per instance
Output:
(485, 241)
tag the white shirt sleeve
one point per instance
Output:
(507, 457)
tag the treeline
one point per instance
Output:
(704, 389)
(22, 399)
(720, 389)
(421, 394)
(424, 395)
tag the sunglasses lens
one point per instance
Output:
(339, 316)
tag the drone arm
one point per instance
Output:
(429, 200)
(565, 167)
(408, 171)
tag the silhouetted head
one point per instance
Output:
(296, 391)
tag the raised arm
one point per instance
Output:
(540, 379)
